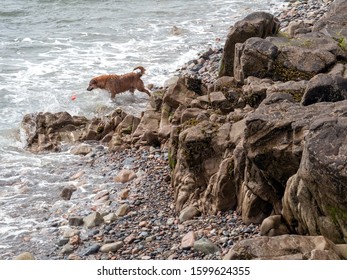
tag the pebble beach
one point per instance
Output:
(137, 217)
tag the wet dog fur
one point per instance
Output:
(116, 84)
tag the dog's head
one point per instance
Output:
(93, 84)
(98, 82)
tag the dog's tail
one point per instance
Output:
(142, 70)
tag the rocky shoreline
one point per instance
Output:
(228, 160)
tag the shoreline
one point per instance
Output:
(141, 232)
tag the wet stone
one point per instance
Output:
(75, 221)
(93, 232)
(122, 210)
(111, 247)
(62, 241)
(109, 218)
(93, 220)
(67, 249)
(25, 256)
(69, 232)
(205, 246)
(91, 250)
(67, 192)
(188, 213)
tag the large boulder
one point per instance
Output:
(315, 200)
(273, 146)
(325, 88)
(46, 131)
(282, 159)
(258, 24)
(334, 21)
(295, 88)
(284, 59)
(196, 159)
(179, 94)
(285, 247)
(254, 58)
(224, 185)
(147, 130)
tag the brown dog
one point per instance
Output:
(120, 83)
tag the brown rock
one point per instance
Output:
(67, 192)
(314, 201)
(130, 239)
(46, 131)
(111, 247)
(93, 220)
(25, 256)
(188, 213)
(287, 247)
(273, 226)
(149, 123)
(125, 175)
(124, 194)
(255, 58)
(122, 210)
(143, 224)
(179, 94)
(325, 88)
(75, 240)
(82, 149)
(258, 24)
(333, 22)
(109, 218)
(77, 175)
(188, 240)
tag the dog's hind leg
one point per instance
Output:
(141, 87)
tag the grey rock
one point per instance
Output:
(93, 249)
(205, 246)
(63, 241)
(188, 213)
(93, 220)
(111, 247)
(255, 58)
